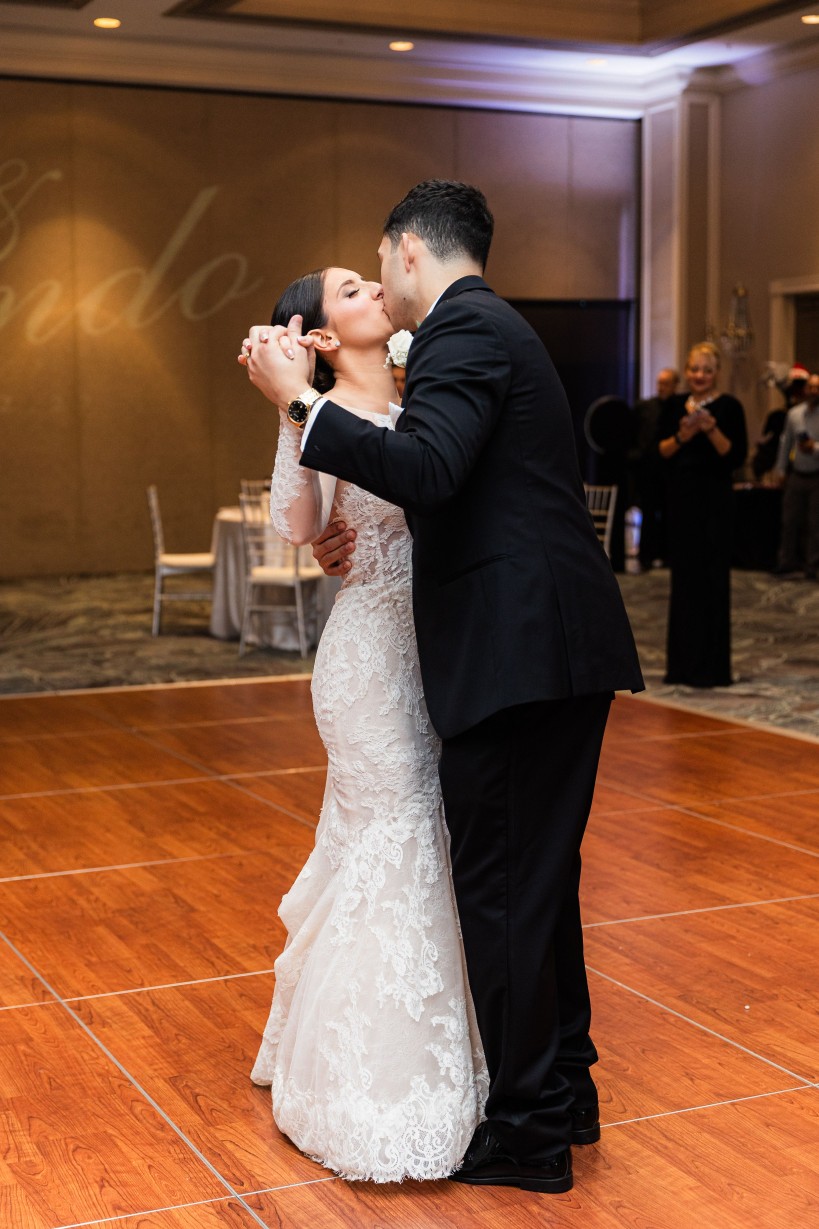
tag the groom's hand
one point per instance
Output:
(279, 361)
(332, 549)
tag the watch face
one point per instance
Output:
(298, 412)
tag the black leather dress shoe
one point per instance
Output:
(586, 1125)
(488, 1164)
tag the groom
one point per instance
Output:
(522, 638)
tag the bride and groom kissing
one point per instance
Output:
(470, 660)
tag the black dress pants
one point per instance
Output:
(517, 793)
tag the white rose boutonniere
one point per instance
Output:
(398, 349)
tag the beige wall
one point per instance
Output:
(142, 230)
(770, 206)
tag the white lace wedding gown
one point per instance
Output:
(371, 1046)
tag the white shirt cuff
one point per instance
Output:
(309, 424)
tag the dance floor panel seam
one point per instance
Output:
(223, 776)
(655, 917)
(806, 1081)
(763, 836)
(111, 1060)
(710, 1105)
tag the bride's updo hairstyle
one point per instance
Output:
(305, 298)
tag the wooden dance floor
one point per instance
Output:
(147, 837)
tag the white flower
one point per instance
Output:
(398, 349)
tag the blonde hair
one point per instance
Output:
(705, 347)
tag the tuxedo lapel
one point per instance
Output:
(463, 284)
(460, 286)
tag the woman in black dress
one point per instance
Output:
(702, 439)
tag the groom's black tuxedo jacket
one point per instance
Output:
(514, 598)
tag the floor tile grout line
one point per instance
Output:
(28, 1006)
(690, 809)
(740, 904)
(108, 723)
(663, 803)
(762, 836)
(239, 853)
(709, 1105)
(101, 789)
(199, 857)
(198, 1203)
(177, 985)
(160, 784)
(199, 981)
(268, 802)
(157, 745)
(730, 798)
(134, 1082)
(600, 811)
(210, 775)
(116, 994)
(129, 866)
(703, 1027)
(762, 727)
(630, 792)
(123, 1217)
(625, 737)
(126, 688)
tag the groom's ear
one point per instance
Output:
(408, 249)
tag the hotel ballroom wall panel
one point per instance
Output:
(770, 206)
(142, 231)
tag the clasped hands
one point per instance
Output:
(692, 424)
(279, 360)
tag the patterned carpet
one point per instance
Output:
(775, 649)
(61, 634)
(95, 631)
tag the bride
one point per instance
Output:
(371, 1048)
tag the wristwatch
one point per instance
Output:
(298, 411)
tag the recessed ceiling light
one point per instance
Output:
(811, 19)
(107, 23)
(597, 62)
(398, 45)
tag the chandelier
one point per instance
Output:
(738, 337)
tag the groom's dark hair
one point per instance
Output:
(452, 218)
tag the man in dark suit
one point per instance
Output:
(647, 468)
(522, 638)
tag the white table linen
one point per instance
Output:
(230, 571)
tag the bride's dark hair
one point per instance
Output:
(305, 298)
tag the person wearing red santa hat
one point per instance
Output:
(766, 446)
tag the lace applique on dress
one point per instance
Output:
(371, 1047)
(296, 493)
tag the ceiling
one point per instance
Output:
(602, 57)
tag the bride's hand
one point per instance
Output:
(279, 361)
(291, 338)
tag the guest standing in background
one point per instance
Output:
(648, 469)
(799, 460)
(766, 448)
(702, 439)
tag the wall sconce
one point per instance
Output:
(738, 337)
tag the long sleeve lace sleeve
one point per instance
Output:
(300, 499)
